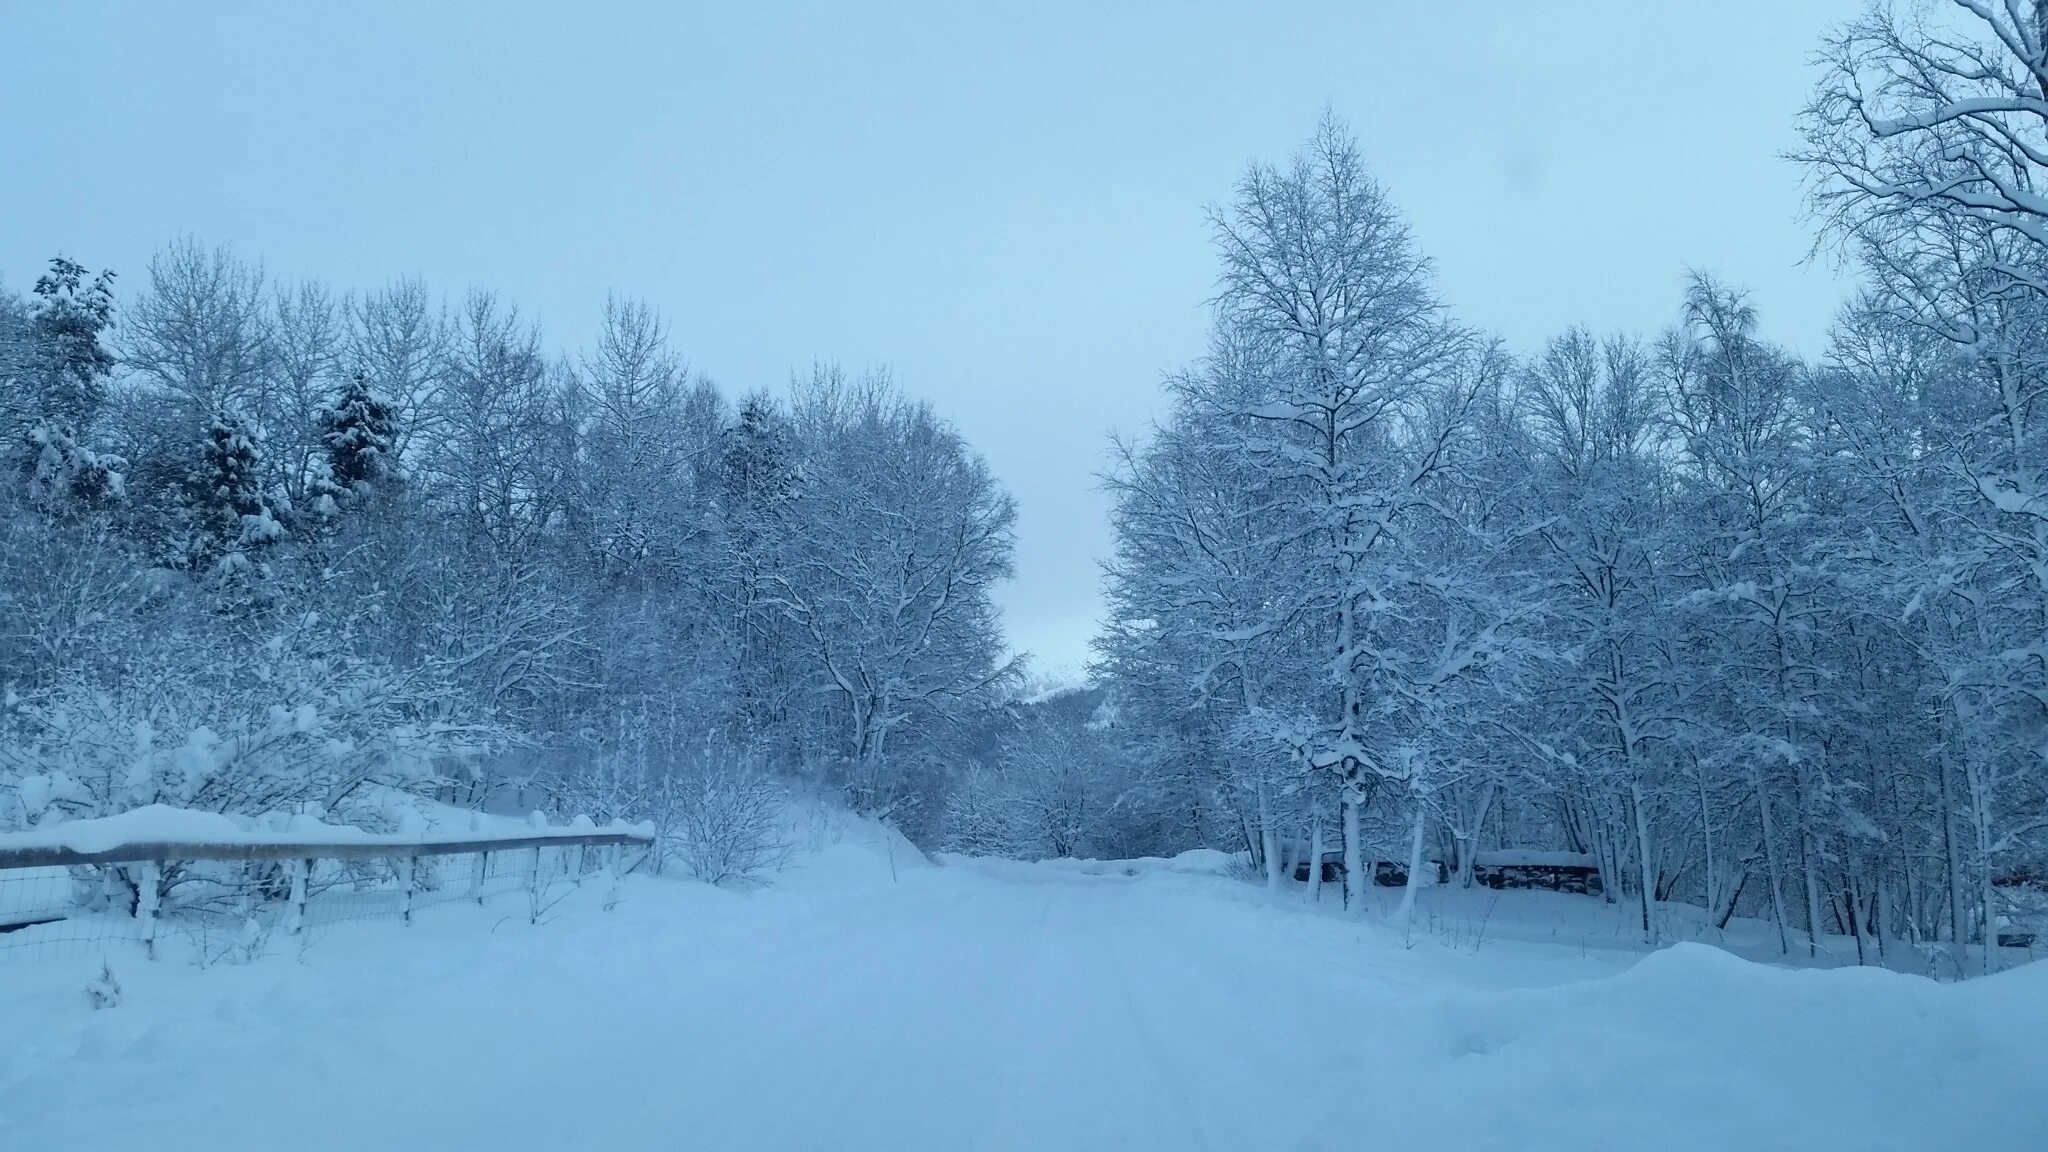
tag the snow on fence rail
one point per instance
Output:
(227, 890)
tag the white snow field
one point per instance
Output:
(871, 1000)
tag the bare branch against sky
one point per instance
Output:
(1003, 203)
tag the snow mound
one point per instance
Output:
(833, 850)
(1203, 860)
(1841, 1058)
(136, 826)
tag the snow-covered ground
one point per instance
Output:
(872, 1000)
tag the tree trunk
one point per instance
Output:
(1980, 823)
(1913, 918)
(1406, 915)
(1989, 896)
(1854, 893)
(1771, 865)
(1354, 849)
(1269, 841)
(1809, 863)
(1710, 880)
(1605, 855)
(1466, 838)
(1958, 906)
(1644, 862)
(1727, 911)
(1315, 854)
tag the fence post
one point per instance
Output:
(148, 876)
(412, 872)
(614, 856)
(476, 879)
(297, 870)
(533, 886)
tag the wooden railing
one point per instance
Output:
(145, 870)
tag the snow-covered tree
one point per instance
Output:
(199, 337)
(56, 371)
(898, 537)
(360, 434)
(1928, 143)
(228, 515)
(1370, 391)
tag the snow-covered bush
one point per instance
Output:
(104, 991)
(291, 725)
(724, 819)
(216, 942)
(1053, 790)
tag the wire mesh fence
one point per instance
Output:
(212, 902)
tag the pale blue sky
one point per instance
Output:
(1003, 202)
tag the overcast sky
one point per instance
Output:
(1004, 203)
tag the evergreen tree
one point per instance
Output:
(229, 514)
(755, 470)
(70, 367)
(53, 379)
(756, 479)
(360, 431)
(64, 473)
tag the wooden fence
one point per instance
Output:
(146, 872)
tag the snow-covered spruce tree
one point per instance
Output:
(57, 373)
(65, 476)
(54, 374)
(229, 517)
(361, 437)
(756, 481)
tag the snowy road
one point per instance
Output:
(996, 1006)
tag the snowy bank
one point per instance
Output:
(833, 850)
(1693, 1047)
(958, 1007)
